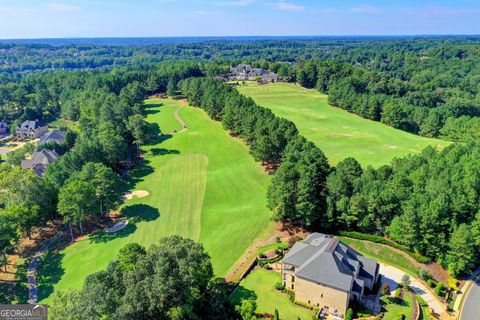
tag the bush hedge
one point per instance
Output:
(379, 239)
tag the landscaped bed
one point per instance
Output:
(400, 303)
(260, 286)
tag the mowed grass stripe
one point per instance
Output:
(181, 195)
(202, 184)
(338, 133)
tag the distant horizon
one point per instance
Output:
(319, 36)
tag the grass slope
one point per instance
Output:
(260, 285)
(338, 133)
(203, 185)
(382, 253)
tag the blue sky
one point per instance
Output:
(158, 18)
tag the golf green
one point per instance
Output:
(338, 133)
(202, 184)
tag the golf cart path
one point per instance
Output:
(182, 103)
(32, 269)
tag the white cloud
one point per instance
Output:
(60, 6)
(205, 13)
(365, 9)
(286, 6)
(238, 3)
(434, 10)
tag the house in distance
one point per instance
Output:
(31, 129)
(326, 273)
(40, 161)
(244, 72)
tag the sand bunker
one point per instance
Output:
(134, 194)
(118, 226)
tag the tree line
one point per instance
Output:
(434, 93)
(427, 202)
(171, 280)
(84, 184)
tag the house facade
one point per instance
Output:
(31, 130)
(3, 127)
(326, 273)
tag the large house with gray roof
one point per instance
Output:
(326, 273)
(30, 129)
(247, 72)
(40, 161)
(56, 136)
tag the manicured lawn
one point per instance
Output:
(396, 306)
(381, 253)
(260, 285)
(202, 184)
(338, 133)
(63, 123)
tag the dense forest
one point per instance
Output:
(429, 86)
(428, 202)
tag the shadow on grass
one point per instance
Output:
(103, 236)
(155, 137)
(140, 212)
(241, 294)
(15, 292)
(152, 108)
(49, 272)
(163, 152)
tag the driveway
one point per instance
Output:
(393, 276)
(471, 306)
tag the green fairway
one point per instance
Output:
(260, 285)
(338, 133)
(202, 184)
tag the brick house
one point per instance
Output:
(31, 130)
(326, 273)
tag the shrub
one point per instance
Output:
(349, 314)
(277, 239)
(279, 286)
(424, 274)
(439, 289)
(305, 305)
(421, 301)
(406, 280)
(396, 293)
(379, 239)
(291, 295)
(452, 283)
(431, 283)
(385, 290)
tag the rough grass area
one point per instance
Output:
(260, 285)
(338, 133)
(202, 184)
(381, 253)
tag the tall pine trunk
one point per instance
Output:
(71, 231)
(81, 228)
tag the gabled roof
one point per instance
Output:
(322, 259)
(40, 160)
(30, 125)
(53, 136)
